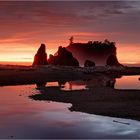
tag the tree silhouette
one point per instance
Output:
(71, 40)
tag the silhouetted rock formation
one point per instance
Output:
(52, 60)
(40, 57)
(89, 63)
(63, 57)
(95, 51)
(113, 61)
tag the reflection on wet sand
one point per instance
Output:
(99, 97)
(88, 82)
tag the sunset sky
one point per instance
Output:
(25, 25)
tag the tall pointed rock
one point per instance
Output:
(40, 57)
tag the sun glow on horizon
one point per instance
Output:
(15, 52)
(127, 53)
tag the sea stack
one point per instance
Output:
(63, 57)
(40, 57)
(113, 61)
(96, 51)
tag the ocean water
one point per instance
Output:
(128, 82)
(22, 117)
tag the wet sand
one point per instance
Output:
(104, 101)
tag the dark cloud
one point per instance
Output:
(48, 19)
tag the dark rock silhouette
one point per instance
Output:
(40, 57)
(63, 57)
(89, 63)
(112, 61)
(52, 60)
(93, 50)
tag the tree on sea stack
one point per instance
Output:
(40, 57)
(71, 40)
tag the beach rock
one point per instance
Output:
(89, 63)
(63, 57)
(40, 57)
(113, 61)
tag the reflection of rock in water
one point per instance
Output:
(102, 81)
(61, 83)
(76, 85)
(110, 83)
(100, 100)
(41, 84)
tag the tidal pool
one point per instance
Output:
(22, 117)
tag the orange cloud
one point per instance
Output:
(128, 53)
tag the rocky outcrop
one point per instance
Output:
(113, 61)
(89, 63)
(40, 57)
(63, 57)
(96, 51)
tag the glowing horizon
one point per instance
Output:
(28, 55)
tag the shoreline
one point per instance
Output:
(100, 101)
(17, 75)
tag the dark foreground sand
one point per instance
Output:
(31, 75)
(16, 75)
